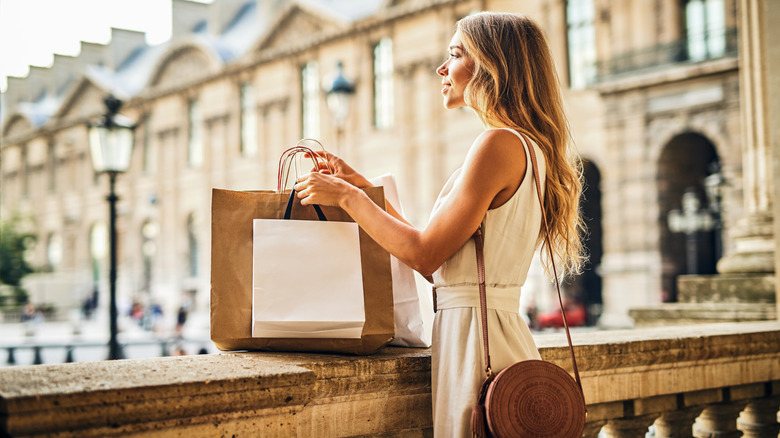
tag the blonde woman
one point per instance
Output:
(500, 66)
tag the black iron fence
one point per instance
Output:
(77, 351)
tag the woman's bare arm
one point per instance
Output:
(491, 173)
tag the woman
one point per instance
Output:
(500, 66)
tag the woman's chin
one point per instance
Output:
(450, 104)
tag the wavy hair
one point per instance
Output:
(515, 85)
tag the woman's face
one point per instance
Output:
(456, 73)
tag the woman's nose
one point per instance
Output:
(442, 70)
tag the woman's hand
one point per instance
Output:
(323, 189)
(340, 169)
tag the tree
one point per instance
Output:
(13, 266)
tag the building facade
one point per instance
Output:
(651, 89)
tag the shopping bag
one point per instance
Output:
(409, 328)
(307, 281)
(232, 216)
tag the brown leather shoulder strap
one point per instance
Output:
(479, 244)
(478, 241)
(552, 260)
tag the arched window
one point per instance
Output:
(688, 239)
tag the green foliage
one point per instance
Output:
(14, 242)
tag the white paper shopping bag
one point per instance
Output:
(307, 280)
(410, 327)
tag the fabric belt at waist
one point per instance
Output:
(498, 298)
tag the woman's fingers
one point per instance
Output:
(301, 189)
(320, 154)
(322, 168)
(323, 162)
(319, 188)
(304, 188)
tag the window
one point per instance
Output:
(383, 83)
(192, 241)
(310, 100)
(248, 121)
(54, 250)
(98, 248)
(195, 135)
(52, 156)
(581, 40)
(148, 251)
(149, 154)
(705, 28)
(25, 173)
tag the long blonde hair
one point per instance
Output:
(515, 85)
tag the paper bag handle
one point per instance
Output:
(288, 156)
(288, 209)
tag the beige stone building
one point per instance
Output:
(651, 88)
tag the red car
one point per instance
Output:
(575, 316)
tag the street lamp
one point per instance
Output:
(339, 95)
(111, 145)
(690, 220)
(714, 184)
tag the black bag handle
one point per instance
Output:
(288, 210)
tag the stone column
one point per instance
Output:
(772, 15)
(592, 428)
(676, 424)
(629, 427)
(754, 246)
(718, 421)
(759, 419)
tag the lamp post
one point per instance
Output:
(111, 145)
(339, 95)
(714, 184)
(690, 220)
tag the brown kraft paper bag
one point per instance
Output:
(232, 213)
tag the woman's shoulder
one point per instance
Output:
(499, 136)
(497, 159)
(498, 144)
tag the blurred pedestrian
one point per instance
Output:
(181, 319)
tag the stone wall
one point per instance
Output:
(632, 379)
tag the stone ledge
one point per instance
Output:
(386, 394)
(726, 288)
(127, 392)
(281, 394)
(681, 314)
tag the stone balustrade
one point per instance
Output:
(720, 380)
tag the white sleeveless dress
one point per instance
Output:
(457, 359)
